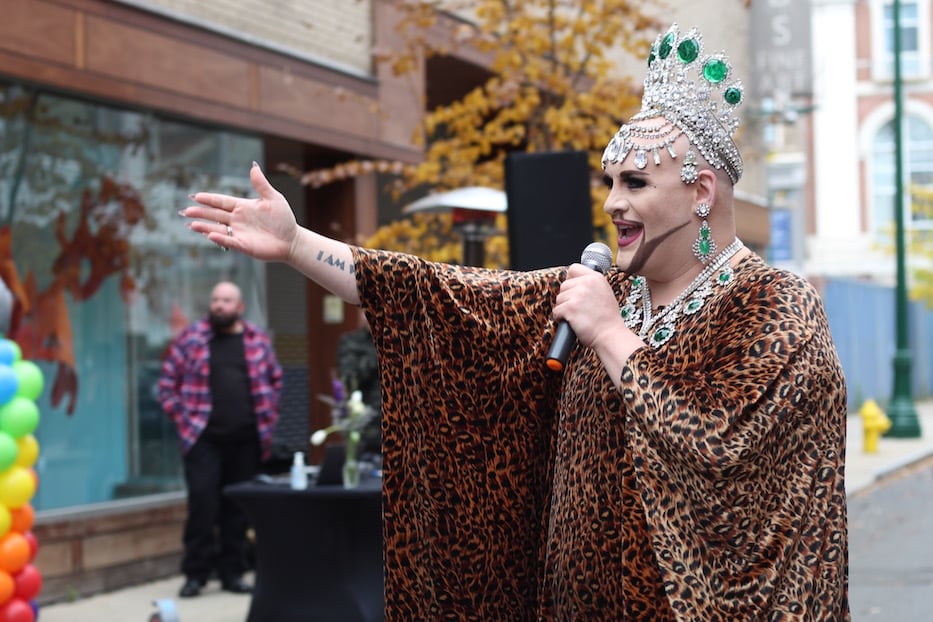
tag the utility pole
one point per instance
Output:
(901, 410)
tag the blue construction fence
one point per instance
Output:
(862, 321)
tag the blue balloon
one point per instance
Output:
(8, 351)
(9, 383)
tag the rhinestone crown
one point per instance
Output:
(695, 95)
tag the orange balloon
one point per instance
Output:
(33, 544)
(7, 586)
(14, 552)
(22, 518)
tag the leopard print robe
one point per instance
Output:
(710, 488)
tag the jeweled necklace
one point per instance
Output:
(688, 302)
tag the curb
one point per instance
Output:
(907, 461)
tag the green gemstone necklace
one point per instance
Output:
(687, 302)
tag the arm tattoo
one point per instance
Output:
(339, 264)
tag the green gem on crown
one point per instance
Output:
(715, 70)
(733, 95)
(688, 50)
(667, 46)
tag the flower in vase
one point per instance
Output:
(349, 416)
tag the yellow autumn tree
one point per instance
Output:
(919, 243)
(554, 85)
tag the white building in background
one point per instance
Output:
(838, 241)
(853, 157)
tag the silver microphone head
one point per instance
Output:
(597, 256)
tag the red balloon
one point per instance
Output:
(17, 610)
(28, 582)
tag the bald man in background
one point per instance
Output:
(220, 384)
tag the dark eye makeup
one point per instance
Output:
(630, 180)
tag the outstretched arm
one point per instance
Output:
(265, 228)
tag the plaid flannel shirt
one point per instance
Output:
(184, 384)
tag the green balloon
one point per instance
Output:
(19, 417)
(30, 379)
(9, 451)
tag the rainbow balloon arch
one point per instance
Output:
(21, 384)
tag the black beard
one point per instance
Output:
(647, 250)
(222, 322)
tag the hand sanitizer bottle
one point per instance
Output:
(299, 474)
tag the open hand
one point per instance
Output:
(264, 228)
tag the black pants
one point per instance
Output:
(215, 530)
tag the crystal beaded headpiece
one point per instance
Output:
(692, 94)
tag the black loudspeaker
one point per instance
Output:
(549, 208)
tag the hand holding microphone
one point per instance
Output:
(598, 257)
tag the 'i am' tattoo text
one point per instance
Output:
(339, 264)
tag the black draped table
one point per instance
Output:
(318, 551)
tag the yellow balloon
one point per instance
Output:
(28, 452)
(6, 520)
(16, 487)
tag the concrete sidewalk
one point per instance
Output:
(863, 470)
(135, 604)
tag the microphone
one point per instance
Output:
(596, 256)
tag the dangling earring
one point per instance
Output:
(704, 246)
(688, 172)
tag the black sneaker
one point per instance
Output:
(236, 585)
(191, 588)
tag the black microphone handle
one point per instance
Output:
(564, 340)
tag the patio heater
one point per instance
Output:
(473, 210)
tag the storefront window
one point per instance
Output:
(107, 272)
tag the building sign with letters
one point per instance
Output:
(780, 47)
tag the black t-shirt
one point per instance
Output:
(232, 417)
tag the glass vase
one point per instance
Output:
(351, 473)
(351, 465)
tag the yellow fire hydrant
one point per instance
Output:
(874, 424)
